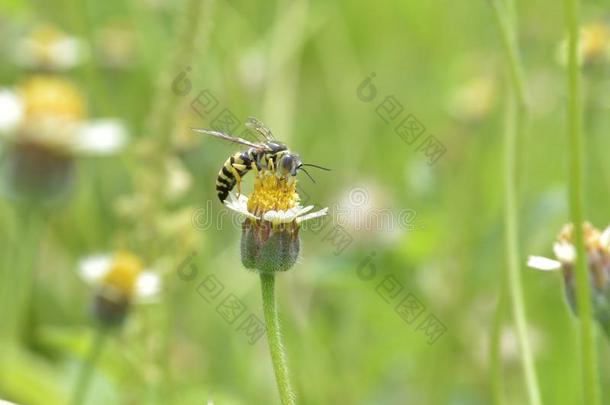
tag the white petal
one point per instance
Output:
(604, 238)
(286, 216)
(11, 110)
(67, 53)
(312, 215)
(94, 268)
(148, 286)
(543, 263)
(272, 216)
(565, 252)
(279, 217)
(101, 137)
(240, 205)
(240, 202)
(303, 210)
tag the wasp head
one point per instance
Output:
(288, 164)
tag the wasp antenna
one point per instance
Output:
(316, 166)
(308, 175)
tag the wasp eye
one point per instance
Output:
(287, 163)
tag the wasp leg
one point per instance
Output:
(270, 165)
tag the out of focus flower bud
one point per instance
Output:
(593, 45)
(118, 280)
(597, 248)
(43, 122)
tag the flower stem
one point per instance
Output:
(274, 337)
(16, 291)
(84, 375)
(576, 199)
(516, 123)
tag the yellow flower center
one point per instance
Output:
(48, 96)
(124, 273)
(44, 39)
(591, 235)
(595, 39)
(272, 193)
(597, 254)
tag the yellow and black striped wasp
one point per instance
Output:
(268, 155)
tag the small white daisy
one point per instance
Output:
(121, 274)
(48, 48)
(50, 111)
(597, 246)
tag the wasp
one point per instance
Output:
(270, 155)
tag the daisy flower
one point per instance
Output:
(47, 48)
(472, 101)
(44, 124)
(115, 45)
(269, 244)
(597, 248)
(118, 280)
(273, 216)
(593, 45)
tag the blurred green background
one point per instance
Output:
(297, 66)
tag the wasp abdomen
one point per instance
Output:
(240, 163)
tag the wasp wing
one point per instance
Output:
(230, 138)
(258, 126)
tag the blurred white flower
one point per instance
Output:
(179, 180)
(473, 100)
(597, 247)
(120, 274)
(593, 45)
(361, 210)
(509, 343)
(100, 137)
(597, 256)
(51, 112)
(115, 45)
(48, 48)
(252, 67)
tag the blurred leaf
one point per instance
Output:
(26, 379)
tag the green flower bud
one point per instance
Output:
(36, 173)
(269, 248)
(110, 309)
(597, 250)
